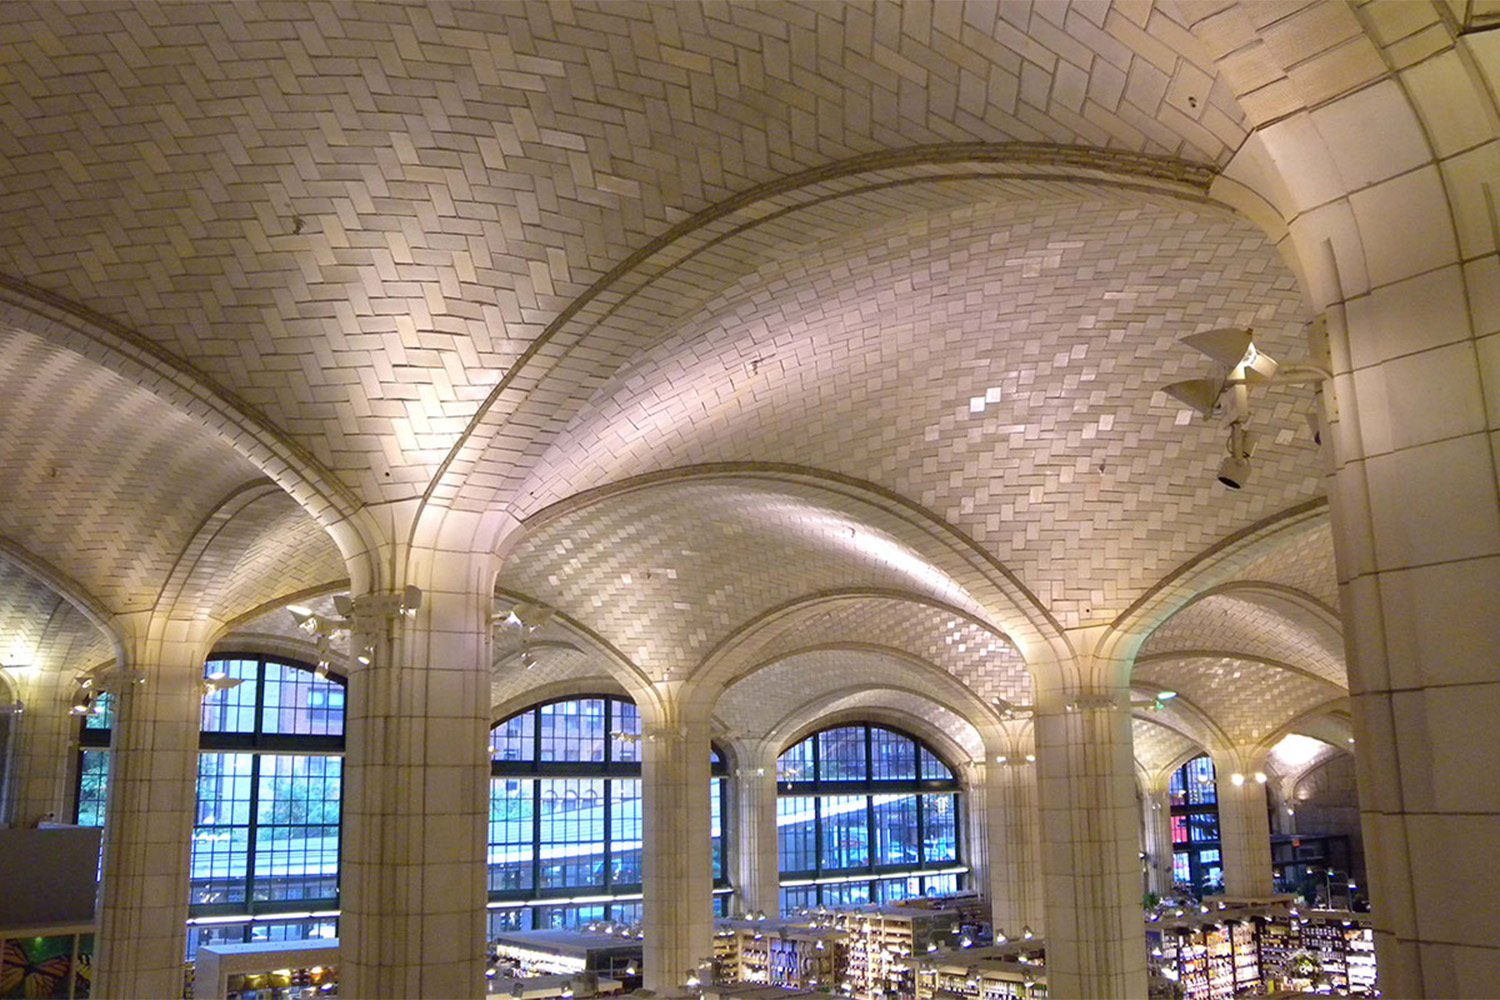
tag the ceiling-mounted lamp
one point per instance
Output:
(220, 681)
(526, 616)
(1201, 395)
(1010, 710)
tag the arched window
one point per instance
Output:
(266, 821)
(565, 815)
(1195, 827)
(866, 813)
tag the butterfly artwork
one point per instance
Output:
(36, 968)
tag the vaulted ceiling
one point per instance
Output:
(815, 345)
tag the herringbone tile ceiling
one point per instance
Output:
(360, 219)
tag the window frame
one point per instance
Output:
(873, 871)
(1191, 815)
(609, 895)
(257, 743)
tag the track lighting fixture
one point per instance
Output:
(220, 681)
(1010, 710)
(1234, 348)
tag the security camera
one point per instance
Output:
(1234, 471)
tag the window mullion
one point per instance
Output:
(922, 830)
(252, 823)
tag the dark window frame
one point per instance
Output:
(257, 743)
(607, 771)
(818, 788)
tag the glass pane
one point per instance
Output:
(716, 824)
(801, 897)
(933, 768)
(625, 831)
(512, 819)
(297, 828)
(299, 701)
(1203, 827)
(896, 839)
(842, 754)
(93, 786)
(796, 764)
(231, 710)
(566, 917)
(294, 930)
(572, 830)
(848, 894)
(512, 739)
(940, 832)
(939, 885)
(573, 730)
(893, 756)
(1200, 782)
(625, 731)
(103, 714)
(795, 831)
(221, 835)
(892, 889)
(846, 832)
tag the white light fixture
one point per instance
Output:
(1010, 710)
(1260, 776)
(220, 681)
(1201, 395)
(1237, 779)
(1226, 345)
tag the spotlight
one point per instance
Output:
(220, 681)
(1201, 395)
(1234, 471)
(1226, 345)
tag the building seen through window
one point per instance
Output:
(1196, 859)
(266, 822)
(864, 814)
(565, 815)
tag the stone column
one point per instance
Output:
(1156, 806)
(756, 848)
(1244, 832)
(677, 866)
(153, 769)
(416, 790)
(1090, 866)
(1012, 828)
(42, 754)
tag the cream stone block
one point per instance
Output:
(1419, 398)
(1473, 180)
(1331, 278)
(1482, 281)
(1404, 226)
(1372, 135)
(1375, 753)
(1302, 160)
(1445, 98)
(1464, 769)
(1455, 865)
(1443, 622)
(1409, 316)
(1255, 168)
(1434, 503)
(1484, 51)
(1461, 971)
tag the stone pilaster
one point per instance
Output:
(677, 863)
(1090, 864)
(143, 898)
(416, 794)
